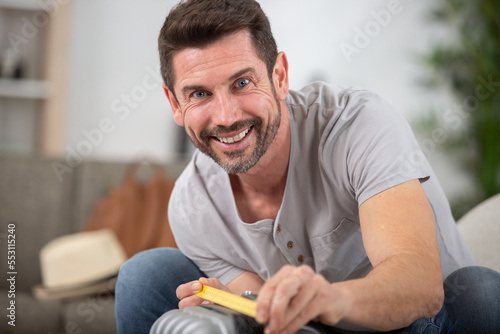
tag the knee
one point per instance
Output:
(149, 268)
(146, 286)
(471, 294)
(148, 264)
(473, 274)
(472, 282)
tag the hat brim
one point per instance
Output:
(99, 287)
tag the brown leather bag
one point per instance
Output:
(137, 212)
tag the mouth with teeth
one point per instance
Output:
(234, 139)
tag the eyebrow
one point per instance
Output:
(185, 90)
(240, 73)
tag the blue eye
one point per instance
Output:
(242, 83)
(199, 94)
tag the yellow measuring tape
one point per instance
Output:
(229, 300)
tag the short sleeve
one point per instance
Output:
(378, 144)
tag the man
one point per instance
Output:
(318, 200)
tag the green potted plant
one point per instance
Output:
(468, 64)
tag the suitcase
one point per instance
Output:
(215, 319)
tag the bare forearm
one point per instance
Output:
(248, 281)
(396, 293)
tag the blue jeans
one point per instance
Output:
(147, 283)
(146, 287)
(471, 305)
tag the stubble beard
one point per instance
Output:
(237, 163)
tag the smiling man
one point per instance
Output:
(226, 101)
(318, 200)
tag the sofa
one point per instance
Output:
(42, 199)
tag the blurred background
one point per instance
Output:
(81, 98)
(87, 86)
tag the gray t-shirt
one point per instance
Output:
(347, 145)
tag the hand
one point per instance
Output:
(187, 292)
(296, 295)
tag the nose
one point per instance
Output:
(226, 110)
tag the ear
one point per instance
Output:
(176, 110)
(280, 76)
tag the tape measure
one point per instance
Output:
(234, 302)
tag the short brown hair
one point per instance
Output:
(198, 23)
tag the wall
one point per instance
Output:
(113, 83)
(116, 105)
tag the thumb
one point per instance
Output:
(214, 283)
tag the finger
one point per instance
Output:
(187, 292)
(304, 308)
(304, 317)
(322, 306)
(193, 300)
(295, 325)
(295, 317)
(188, 289)
(291, 295)
(266, 294)
(213, 282)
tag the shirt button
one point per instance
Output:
(300, 259)
(290, 244)
(278, 230)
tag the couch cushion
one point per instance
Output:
(33, 316)
(39, 204)
(95, 314)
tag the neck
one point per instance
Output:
(259, 192)
(267, 177)
(271, 170)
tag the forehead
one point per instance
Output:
(216, 60)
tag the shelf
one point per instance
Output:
(32, 108)
(23, 89)
(21, 4)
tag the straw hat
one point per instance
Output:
(80, 264)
